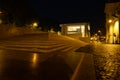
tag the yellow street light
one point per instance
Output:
(109, 20)
(34, 25)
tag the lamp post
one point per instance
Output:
(34, 25)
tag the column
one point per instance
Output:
(119, 32)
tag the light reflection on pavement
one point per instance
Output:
(38, 57)
(34, 59)
(21, 65)
(107, 61)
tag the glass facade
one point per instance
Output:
(76, 30)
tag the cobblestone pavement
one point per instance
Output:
(106, 60)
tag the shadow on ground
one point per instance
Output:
(55, 69)
(85, 49)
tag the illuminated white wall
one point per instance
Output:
(73, 29)
(76, 30)
(88, 27)
(114, 32)
(83, 30)
(111, 30)
(111, 34)
(116, 28)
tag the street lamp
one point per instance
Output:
(110, 20)
(34, 25)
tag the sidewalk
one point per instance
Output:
(85, 68)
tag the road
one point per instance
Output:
(39, 57)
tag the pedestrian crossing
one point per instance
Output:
(47, 46)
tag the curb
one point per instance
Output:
(85, 69)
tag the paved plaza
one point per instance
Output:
(42, 57)
(53, 57)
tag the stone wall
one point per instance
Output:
(10, 30)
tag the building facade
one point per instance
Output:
(76, 30)
(112, 11)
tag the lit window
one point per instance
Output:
(73, 28)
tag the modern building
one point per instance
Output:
(112, 11)
(76, 30)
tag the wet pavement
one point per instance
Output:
(106, 60)
(32, 57)
(16, 65)
(20, 65)
(37, 57)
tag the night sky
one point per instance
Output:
(60, 11)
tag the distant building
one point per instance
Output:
(112, 11)
(76, 30)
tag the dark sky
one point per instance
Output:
(61, 11)
(68, 11)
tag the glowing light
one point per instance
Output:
(96, 34)
(89, 28)
(34, 59)
(83, 30)
(73, 28)
(91, 38)
(34, 25)
(99, 31)
(111, 33)
(116, 27)
(110, 21)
